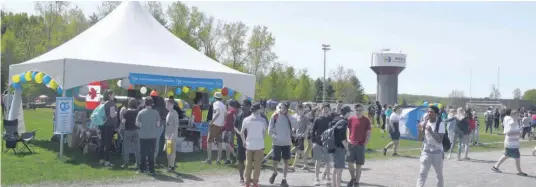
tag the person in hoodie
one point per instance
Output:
(300, 133)
(280, 129)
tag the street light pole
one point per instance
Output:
(325, 48)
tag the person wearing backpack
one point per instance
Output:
(107, 129)
(320, 153)
(335, 141)
(280, 129)
(432, 130)
(359, 128)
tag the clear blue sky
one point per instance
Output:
(445, 41)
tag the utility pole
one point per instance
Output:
(470, 85)
(325, 48)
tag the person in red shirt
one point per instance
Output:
(228, 129)
(196, 111)
(359, 131)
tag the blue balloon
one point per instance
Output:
(17, 86)
(425, 103)
(231, 92)
(178, 91)
(46, 79)
(59, 90)
(210, 89)
(22, 78)
(34, 73)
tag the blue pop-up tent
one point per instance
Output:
(409, 121)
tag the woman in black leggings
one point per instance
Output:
(384, 108)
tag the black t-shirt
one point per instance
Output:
(340, 131)
(130, 118)
(108, 107)
(320, 124)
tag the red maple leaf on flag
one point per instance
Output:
(93, 93)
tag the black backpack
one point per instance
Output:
(446, 141)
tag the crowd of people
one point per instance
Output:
(334, 138)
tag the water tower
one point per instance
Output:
(387, 65)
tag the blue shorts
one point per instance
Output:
(281, 151)
(512, 153)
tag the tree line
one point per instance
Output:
(244, 48)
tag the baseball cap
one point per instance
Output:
(345, 110)
(326, 105)
(256, 106)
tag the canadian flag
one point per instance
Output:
(93, 96)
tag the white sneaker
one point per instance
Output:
(317, 182)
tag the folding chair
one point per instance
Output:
(25, 138)
(11, 135)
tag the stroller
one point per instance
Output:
(90, 140)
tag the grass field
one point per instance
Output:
(44, 165)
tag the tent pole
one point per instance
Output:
(63, 95)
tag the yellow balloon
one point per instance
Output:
(52, 84)
(440, 105)
(28, 76)
(180, 104)
(170, 93)
(237, 96)
(39, 77)
(201, 89)
(15, 78)
(185, 89)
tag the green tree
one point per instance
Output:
(234, 35)
(155, 8)
(107, 7)
(210, 34)
(185, 23)
(259, 50)
(530, 95)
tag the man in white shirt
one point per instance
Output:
(252, 133)
(432, 152)
(512, 131)
(216, 127)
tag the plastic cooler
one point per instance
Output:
(203, 129)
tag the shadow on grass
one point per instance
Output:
(74, 156)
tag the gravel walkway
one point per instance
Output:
(394, 172)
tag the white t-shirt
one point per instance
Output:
(255, 127)
(394, 117)
(511, 125)
(220, 107)
(430, 144)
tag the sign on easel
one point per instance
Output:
(64, 118)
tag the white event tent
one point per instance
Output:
(130, 40)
